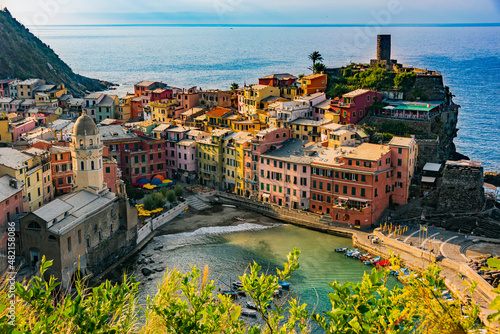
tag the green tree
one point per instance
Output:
(186, 304)
(178, 190)
(234, 86)
(171, 196)
(315, 57)
(405, 81)
(318, 68)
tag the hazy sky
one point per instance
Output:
(254, 11)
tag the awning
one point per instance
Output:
(428, 179)
(266, 195)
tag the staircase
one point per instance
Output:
(198, 203)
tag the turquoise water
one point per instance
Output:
(229, 250)
(214, 57)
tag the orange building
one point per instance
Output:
(314, 83)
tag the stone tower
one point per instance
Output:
(384, 47)
(86, 153)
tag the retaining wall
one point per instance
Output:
(160, 221)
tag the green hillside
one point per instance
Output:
(23, 56)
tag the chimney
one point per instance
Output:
(13, 183)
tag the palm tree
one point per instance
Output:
(315, 56)
(318, 68)
(234, 86)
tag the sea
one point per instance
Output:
(229, 250)
(468, 57)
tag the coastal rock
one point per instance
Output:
(158, 270)
(158, 248)
(146, 272)
(492, 178)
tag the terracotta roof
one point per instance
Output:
(356, 92)
(218, 111)
(313, 76)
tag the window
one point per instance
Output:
(61, 181)
(336, 188)
(363, 178)
(34, 226)
(52, 238)
(314, 184)
(88, 241)
(400, 162)
(79, 237)
(321, 186)
(92, 165)
(69, 244)
(353, 191)
(108, 170)
(376, 193)
(99, 235)
(304, 169)
(400, 150)
(344, 190)
(362, 192)
(328, 187)
(69, 179)
(399, 175)
(376, 178)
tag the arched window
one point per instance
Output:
(92, 165)
(100, 163)
(91, 142)
(82, 165)
(277, 135)
(34, 226)
(81, 142)
(52, 238)
(88, 241)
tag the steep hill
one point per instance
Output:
(23, 56)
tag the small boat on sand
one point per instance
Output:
(248, 312)
(241, 219)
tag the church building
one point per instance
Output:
(88, 229)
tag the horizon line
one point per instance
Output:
(493, 24)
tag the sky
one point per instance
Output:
(362, 12)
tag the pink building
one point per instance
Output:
(264, 140)
(186, 155)
(110, 169)
(188, 99)
(21, 127)
(11, 204)
(285, 173)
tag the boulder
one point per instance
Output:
(146, 272)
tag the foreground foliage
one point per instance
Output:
(189, 303)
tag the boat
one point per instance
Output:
(229, 205)
(248, 312)
(350, 252)
(251, 305)
(241, 219)
(241, 293)
(284, 285)
(342, 249)
(353, 254)
(237, 284)
(231, 294)
(365, 257)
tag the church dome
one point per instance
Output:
(85, 126)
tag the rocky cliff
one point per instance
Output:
(23, 56)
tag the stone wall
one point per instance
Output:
(431, 86)
(461, 190)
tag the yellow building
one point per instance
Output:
(44, 158)
(5, 135)
(162, 111)
(243, 156)
(27, 169)
(307, 129)
(124, 110)
(220, 118)
(210, 155)
(251, 98)
(249, 125)
(232, 166)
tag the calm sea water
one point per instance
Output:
(214, 57)
(229, 250)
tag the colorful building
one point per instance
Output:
(210, 154)
(307, 129)
(250, 98)
(214, 98)
(28, 169)
(285, 173)
(313, 83)
(353, 106)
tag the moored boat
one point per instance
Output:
(248, 312)
(241, 219)
(342, 249)
(284, 285)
